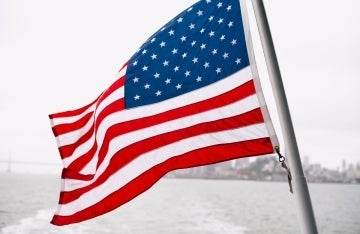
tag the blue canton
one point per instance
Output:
(202, 45)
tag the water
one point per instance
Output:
(181, 206)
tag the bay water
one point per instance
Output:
(182, 206)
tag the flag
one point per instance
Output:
(188, 97)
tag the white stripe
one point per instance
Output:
(153, 158)
(80, 150)
(118, 143)
(207, 92)
(198, 95)
(74, 118)
(72, 137)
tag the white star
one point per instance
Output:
(184, 55)
(178, 86)
(136, 79)
(222, 37)
(145, 68)
(192, 26)
(158, 93)
(183, 38)
(193, 43)
(147, 86)
(211, 18)
(156, 75)
(212, 33)
(136, 97)
(180, 20)
(219, 4)
(176, 68)
(168, 81)
(220, 20)
(206, 64)
(214, 51)
(187, 73)
(144, 51)
(200, 13)
(199, 78)
(226, 55)
(237, 61)
(230, 24)
(202, 30)
(218, 70)
(135, 63)
(166, 63)
(233, 42)
(203, 46)
(195, 60)
(153, 39)
(153, 56)
(171, 32)
(228, 8)
(162, 44)
(174, 51)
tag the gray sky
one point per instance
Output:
(60, 55)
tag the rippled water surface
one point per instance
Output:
(181, 206)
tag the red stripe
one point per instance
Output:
(68, 127)
(68, 150)
(129, 153)
(136, 124)
(72, 112)
(75, 167)
(216, 153)
(121, 128)
(70, 174)
(116, 85)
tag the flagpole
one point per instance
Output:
(301, 191)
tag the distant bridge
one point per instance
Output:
(10, 163)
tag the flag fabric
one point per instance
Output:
(188, 97)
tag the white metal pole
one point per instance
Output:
(301, 191)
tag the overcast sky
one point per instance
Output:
(60, 55)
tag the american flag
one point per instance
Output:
(186, 98)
